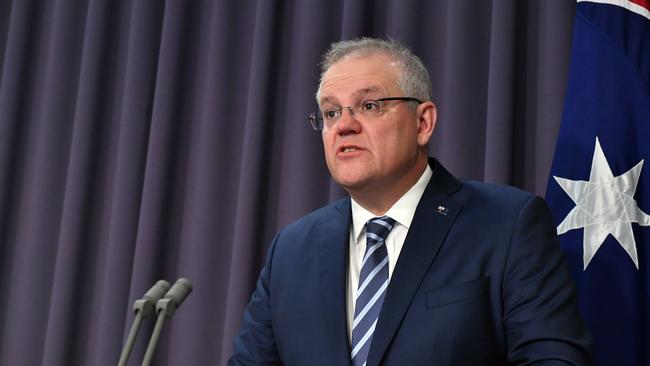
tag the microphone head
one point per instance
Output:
(179, 291)
(157, 291)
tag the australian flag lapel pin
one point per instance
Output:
(442, 210)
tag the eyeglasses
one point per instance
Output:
(366, 110)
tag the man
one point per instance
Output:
(415, 267)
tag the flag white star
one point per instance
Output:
(604, 205)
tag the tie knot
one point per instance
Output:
(378, 228)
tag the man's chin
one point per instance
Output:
(351, 185)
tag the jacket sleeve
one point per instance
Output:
(541, 318)
(255, 344)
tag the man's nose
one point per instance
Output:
(348, 122)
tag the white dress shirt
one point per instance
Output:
(402, 212)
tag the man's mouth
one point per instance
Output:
(349, 148)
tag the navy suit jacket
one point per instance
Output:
(480, 280)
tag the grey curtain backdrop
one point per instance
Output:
(148, 139)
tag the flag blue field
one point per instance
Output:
(599, 187)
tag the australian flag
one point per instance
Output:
(599, 188)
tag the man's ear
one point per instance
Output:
(427, 114)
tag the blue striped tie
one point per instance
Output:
(373, 281)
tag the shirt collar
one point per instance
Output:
(402, 211)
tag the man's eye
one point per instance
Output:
(330, 113)
(369, 106)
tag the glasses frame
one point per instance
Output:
(316, 119)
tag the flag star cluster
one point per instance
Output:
(604, 205)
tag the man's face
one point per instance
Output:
(372, 154)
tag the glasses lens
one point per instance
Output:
(370, 109)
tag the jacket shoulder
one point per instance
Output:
(331, 212)
(492, 193)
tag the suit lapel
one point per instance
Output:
(433, 218)
(333, 240)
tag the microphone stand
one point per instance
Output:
(133, 333)
(142, 309)
(165, 308)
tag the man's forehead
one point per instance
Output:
(359, 93)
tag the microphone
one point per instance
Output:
(165, 308)
(174, 297)
(142, 308)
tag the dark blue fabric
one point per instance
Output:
(608, 97)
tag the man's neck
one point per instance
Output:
(380, 200)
